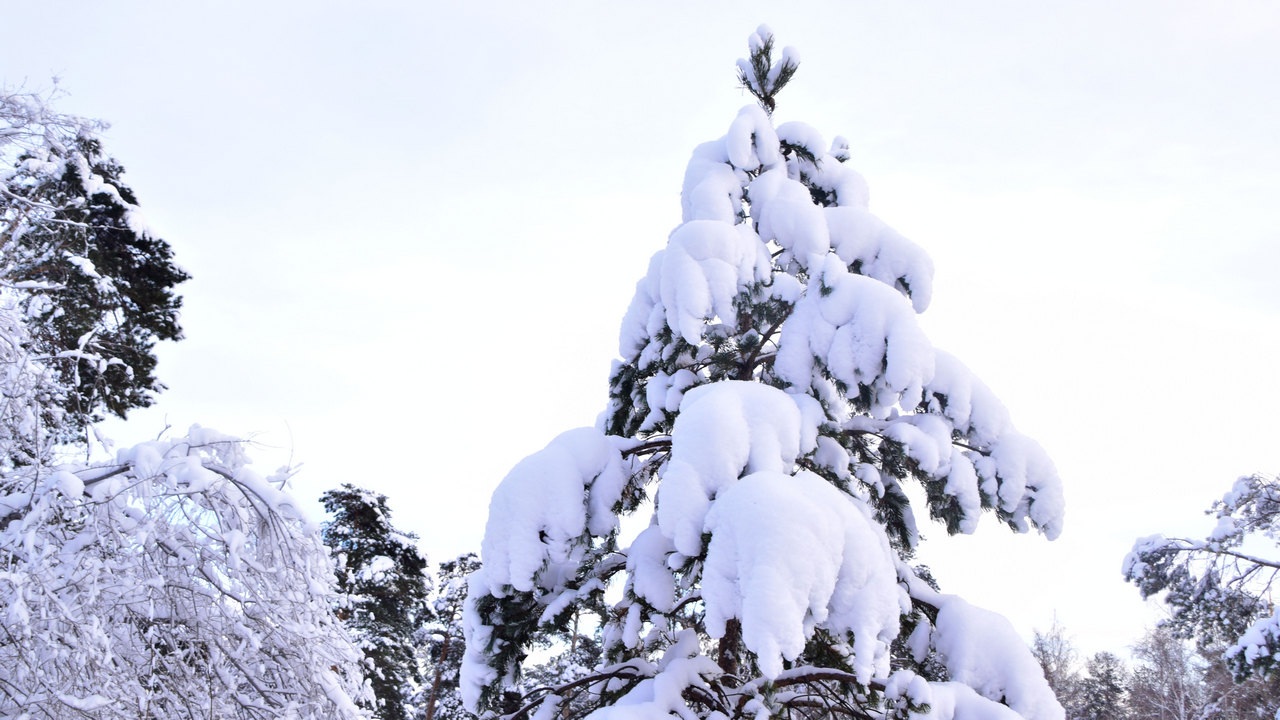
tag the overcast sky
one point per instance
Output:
(413, 230)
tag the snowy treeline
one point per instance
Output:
(1165, 677)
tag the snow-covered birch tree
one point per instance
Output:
(176, 582)
(1166, 682)
(775, 394)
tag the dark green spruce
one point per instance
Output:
(382, 573)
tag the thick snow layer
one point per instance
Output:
(1260, 640)
(859, 237)
(647, 569)
(1029, 487)
(982, 650)
(784, 213)
(791, 553)
(752, 142)
(846, 184)
(863, 333)
(803, 135)
(1015, 471)
(962, 484)
(693, 281)
(544, 506)
(682, 666)
(724, 431)
(973, 409)
(376, 568)
(926, 440)
(712, 187)
(946, 700)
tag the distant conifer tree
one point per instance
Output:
(382, 573)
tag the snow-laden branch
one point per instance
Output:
(174, 573)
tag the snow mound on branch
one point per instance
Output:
(960, 396)
(712, 187)
(803, 135)
(724, 431)
(682, 666)
(693, 281)
(752, 143)
(784, 213)
(544, 506)
(1028, 480)
(1261, 641)
(982, 650)
(863, 334)
(1013, 469)
(881, 252)
(946, 700)
(789, 554)
(647, 570)
(926, 439)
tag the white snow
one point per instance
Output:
(1260, 640)
(712, 187)
(789, 554)
(752, 142)
(647, 568)
(681, 667)
(882, 253)
(538, 513)
(983, 651)
(724, 431)
(863, 333)
(803, 135)
(693, 282)
(785, 214)
(973, 409)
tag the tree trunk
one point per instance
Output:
(435, 682)
(727, 658)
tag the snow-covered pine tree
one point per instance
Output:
(1103, 688)
(441, 644)
(775, 392)
(1221, 589)
(96, 284)
(384, 578)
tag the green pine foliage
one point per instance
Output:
(105, 284)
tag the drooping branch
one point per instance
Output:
(534, 697)
(652, 446)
